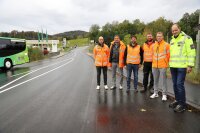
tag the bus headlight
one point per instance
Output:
(25, 54)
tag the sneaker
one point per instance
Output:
(179, 108)
(98, 87)
(164, 98)
(173, 104)
(113, 87)
(154, 95)
(106, 87)
(120, 87)
(143, 89)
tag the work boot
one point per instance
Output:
(179, 108)
(173, 104)
(154, 95)
(98, 87)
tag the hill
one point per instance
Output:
(72, 34)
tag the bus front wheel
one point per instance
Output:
(7, 64)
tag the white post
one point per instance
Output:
(198, 48)
(54, 46)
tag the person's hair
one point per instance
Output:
(159, 33)
(117, 36)
(100, 37)
(133, 36)
(175, 24)
(149, 33)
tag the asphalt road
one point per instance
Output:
(59, 96)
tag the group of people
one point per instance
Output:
(156, 56)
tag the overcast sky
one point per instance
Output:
(64, 15)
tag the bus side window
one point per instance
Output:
(18, 46)
(3, 47)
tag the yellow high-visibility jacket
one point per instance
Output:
(182, 51)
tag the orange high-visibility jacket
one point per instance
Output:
(101, 55)
(121, 54)
(133, 55)
(147, 52)
(161, 54)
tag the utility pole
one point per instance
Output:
(198, 48)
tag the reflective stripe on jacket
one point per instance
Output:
(133, 55)
(148, 57)
(161, 54)
(101, 55)
(182, 51)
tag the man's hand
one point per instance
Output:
(140, 65)
(189, 69)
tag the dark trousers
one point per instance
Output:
(178, 79)
(134, 68)
(147, 71)
(99, 75)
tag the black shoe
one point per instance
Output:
(143, 89)
(173, 104)
(179, 108)
(151, 90)
(136, 90)
(128, 91)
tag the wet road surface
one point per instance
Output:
(59, 96)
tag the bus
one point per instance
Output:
(13, 51)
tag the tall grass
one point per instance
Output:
(35, 54)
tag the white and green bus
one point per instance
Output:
(13, 51)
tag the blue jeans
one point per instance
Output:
(178, 79)
(134, 68)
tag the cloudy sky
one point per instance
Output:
(65, 15)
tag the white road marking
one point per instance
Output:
(36, 77)
(35, 69)
(31, 72)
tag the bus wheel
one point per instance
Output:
(7, 64)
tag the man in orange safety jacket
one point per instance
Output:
(160, 51)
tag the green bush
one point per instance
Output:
(35, 54)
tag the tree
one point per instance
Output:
(159, 25)
(188, 22)
(138, 26)
(126, 39)
(94, 31)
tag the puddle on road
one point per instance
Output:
(7, 75)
